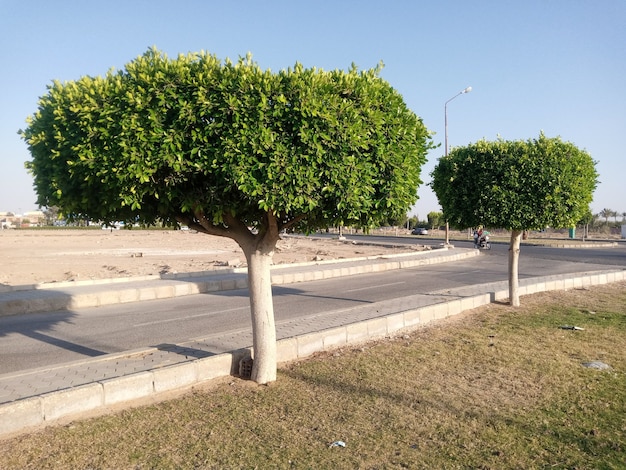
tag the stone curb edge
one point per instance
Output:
(22, 415)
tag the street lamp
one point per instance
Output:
(445, 114)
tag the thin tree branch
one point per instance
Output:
(290, 223)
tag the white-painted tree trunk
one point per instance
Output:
(258, 247)
(262, 313)
(514, 249)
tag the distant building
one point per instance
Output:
(28, 219)
(6, 220)
(34, 218)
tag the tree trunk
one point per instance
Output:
(262, 313)
(514, 249)
(259, 251)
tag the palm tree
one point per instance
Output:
(615, 214)
(606, 213)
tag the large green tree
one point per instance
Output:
(516, 185)
(232, 150)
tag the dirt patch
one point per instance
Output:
(42, 256)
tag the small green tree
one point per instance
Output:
(231, 150)
(435, 219)
(584, 221)
(516, 185)
(51, 215)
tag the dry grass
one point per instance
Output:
(494, 388)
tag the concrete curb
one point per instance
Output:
(21, 415)
(577, 245)
(67, 296)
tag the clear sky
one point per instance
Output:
(557, 66)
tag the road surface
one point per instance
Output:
(36, 340)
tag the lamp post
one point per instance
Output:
(445, 112)
(445, 115)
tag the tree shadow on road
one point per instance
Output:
(43, 328)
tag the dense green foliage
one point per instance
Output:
(197, 139)
(517, 185)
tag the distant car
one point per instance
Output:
(420, 231)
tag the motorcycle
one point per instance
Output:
(481, 242)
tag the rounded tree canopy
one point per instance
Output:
(201, 138)
(516, 185)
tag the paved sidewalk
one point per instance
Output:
(35, 397)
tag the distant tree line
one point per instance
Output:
(606, 214)
(433, 221)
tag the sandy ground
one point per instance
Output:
(43, 256)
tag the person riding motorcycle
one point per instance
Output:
(480, 238)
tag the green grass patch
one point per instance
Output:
(496, 387)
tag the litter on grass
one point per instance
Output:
(338, 444)
(596, 365)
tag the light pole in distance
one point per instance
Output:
(445, 115)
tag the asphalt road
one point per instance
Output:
(614, 256)
(36, 340)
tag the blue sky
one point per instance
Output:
(557, 66)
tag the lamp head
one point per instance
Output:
(467, 90)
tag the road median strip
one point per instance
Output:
(85, 294)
